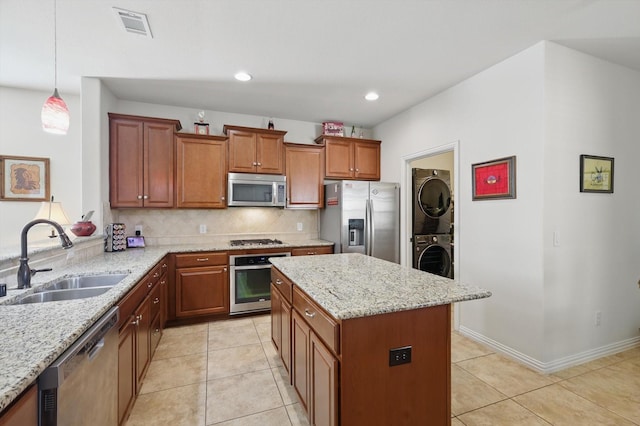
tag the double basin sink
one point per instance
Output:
(71, 288)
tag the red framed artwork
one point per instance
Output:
(494, 179)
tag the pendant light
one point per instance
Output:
(55, 114)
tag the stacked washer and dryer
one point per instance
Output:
(432, 219)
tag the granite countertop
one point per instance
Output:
(353, 285)
(34, 335)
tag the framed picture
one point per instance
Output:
(494, 179)
(24, 178)
(596, 174)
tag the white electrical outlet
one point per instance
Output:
(556, 239)
(598, 320)
(299, 226)
(203, 229)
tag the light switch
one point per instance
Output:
(299, 226)
(556, 239)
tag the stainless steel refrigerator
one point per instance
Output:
(362, 217)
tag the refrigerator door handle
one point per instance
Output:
(372, 229)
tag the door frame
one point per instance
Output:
(406, 248)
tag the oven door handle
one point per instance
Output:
(244, 268)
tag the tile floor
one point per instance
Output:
(227, 373)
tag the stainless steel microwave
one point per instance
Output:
(256, 190)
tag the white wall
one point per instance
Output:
(494, 114)
(21, 134)
(546, 105)
(592, 107)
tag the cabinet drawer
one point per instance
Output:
(201, 259)
(321, 322)
(282, 283)
(130, 302)
(310, 251)
(154, 296)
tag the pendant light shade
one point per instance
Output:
(55, 115)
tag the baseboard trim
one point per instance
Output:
(558, 364)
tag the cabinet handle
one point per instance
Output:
(278, 281)
(222, 198)
(225, 269)
(259, 164)
(149, 285)
(309, 314)
(164, 266)
(157, 331)
(255, 164)
(163, 282)
(202, 259)
(146, 197)
(139, 317)
(311, 253)
(350, 169)
(136, 322)
(156, 275)
(156, 301)
(357, 170)
(139, 197)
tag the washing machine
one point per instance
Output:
(432, 206)
(432, 253)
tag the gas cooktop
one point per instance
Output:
(259, 242)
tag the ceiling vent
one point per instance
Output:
(134, 22)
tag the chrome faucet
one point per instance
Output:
(24, 272)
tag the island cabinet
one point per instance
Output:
(23, 411)
(304, 166)
(141, 161)
(253, 150)
(201, 284)
(351, 158)
(201, 171)
(342, 372)
(139, 311)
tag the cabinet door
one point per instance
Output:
(242, 151)
(311, 251)
(276, 319)
(158, 169)
(202, 291)
(367, 160)
(305, 176)
(285, 327)
(143, 340)
(24, 411)
(126, 368)
(126, 163)
(339, 163)
(269, 153)
(300, 358)
(201, 173)
(323, 389)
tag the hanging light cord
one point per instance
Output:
(55, 44)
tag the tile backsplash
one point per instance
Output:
(183, 226)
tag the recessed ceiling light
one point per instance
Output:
(371, 96)
(243, 76)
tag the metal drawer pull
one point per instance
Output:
(156, 275)
(202, 259)
(278, 281)
(309, 314)
(149, 285)
(156, 301)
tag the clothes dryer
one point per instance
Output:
(432, 206)
(432, 253)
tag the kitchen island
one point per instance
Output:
(366, 341)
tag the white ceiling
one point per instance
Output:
(312, 60)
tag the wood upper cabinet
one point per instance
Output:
(141, 161)
(201, 171)
(253, 150)
(351, 158)
(304, 165)
(201, 284)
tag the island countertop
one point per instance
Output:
(354, 285)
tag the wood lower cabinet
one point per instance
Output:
(323, 384)
(300, 331)
(23, 411)
(351, 158)
(312, 251)
(304, 165)
(201, 171)
(253, 150)
(201, 284)
(141, 161)
(140, 330)
(281, 317)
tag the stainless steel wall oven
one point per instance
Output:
(251, 282)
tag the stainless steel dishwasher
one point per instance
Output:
(81, 386)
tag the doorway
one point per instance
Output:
(444, 157)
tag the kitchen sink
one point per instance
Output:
(58, 295)
(71, 288)
(85, 281)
